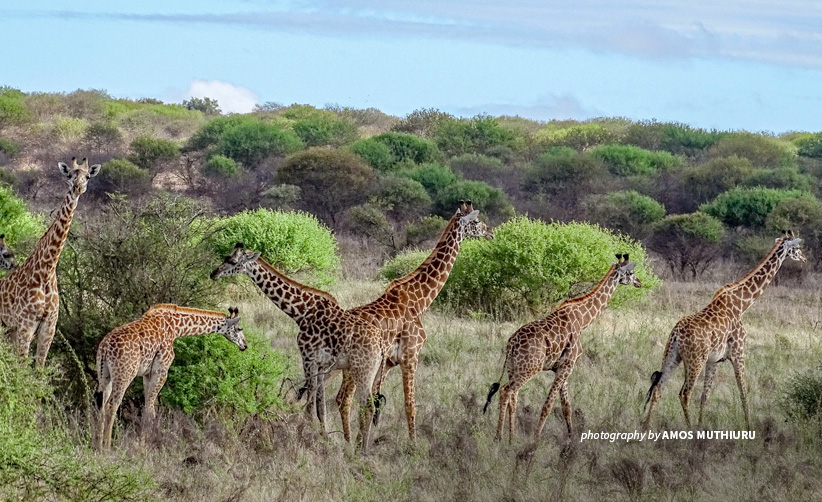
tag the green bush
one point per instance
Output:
(579, 137)
(688, 243)
(748, 207)
(220, 166)
(530, 264)
(422, 122)
(434, 177)
(324, 129)
(249, 143)
(38, 457)
(376, 153)
(294, 242)
(810, 146)
(369, 220)
(492, 202)
(209, 372)
(788, 178)
(481, 134)
(705, 181)
(102, 137)
(120, 176)
(426, 228)
(626, 160)
(402, 198)
(69, 129)
(564, 176)
(625, 211)
(679, 139)
(151, 153)
(210, 134)
(761, 151)
(12, 109)
(803, 399)
(406, 146)
(22, 228)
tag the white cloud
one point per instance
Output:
(231, 98)
(546, 107)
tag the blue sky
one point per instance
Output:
(738, 64)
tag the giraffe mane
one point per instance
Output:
(431, 256)
(298, 285)
(596, 288)
(184, 310)
(747, 276)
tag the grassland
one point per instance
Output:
(283, 457)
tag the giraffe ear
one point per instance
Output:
(472, 216)
(94, 170)
(232, 321)
(630, 267)
(254, 256)
(64, 168)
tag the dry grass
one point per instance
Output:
(282, 457)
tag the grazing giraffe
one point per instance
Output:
(554, 344)
(7, 261)
(329, 339)
(29, 300)
(715, 333)
(145, 347)
(398, 312)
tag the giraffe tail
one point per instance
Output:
(655, 378)
(495, 386)
(669, 362)
(98, 394)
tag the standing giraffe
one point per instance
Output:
(145, 347)
(329, 339)
(554, 344)
(715, 333)
(29, 300)
(7, 261)
(398, 312)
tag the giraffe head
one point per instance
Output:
(236, 262)
(7, 261)
(77, 175)
(231, 329)
(624, 271)
(470, 225)
(790, 245)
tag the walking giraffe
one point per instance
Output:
(145, 347)
(715, 333)
(29, 300)
(554, 344)
(7, 261)
(329, 339)
(398, 312)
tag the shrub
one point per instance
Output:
(209, 135)
(405, 146)
(426, 228)
(370, 221)
(784, 177)
(325, 128)
(102, 136)
(688, 243)
(153, 153)
(331, 181)
(705, 181)
(402, 198)
(803, 399)
(481, 134)
(38, 457)
(564, 176)
(580, 137)
(294, 242)
(12, 109)
(206, 105)
(434, 177)
(220, 166)
(250, 142)
(743, 206)
(679, 139)
(761, 151)
(810, 146)
(376, 153)
(626, 211)
(530, 264)
(804, 216)
(492, 202)
(21, 228)
(209, 372)
(626, 160)
(130, 257)
(120, 176)
(69, 129)
(421, 122)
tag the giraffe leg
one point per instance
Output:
(409, 369)
(707, 386)
(504, 397)
(738, 362)
(319, 392)
(670, 362)
(345, 396)
(152, 384)
(365, 379)
(45, 335)
(21, 337)
(110, 410)
(562, 374)
(105, 386)
(512, 416)
(567, 411)
(692, 372)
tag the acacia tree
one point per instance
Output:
(331, 181)
(689, 243)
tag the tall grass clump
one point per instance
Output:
(803, 398)
(530, 264)
(294, 242)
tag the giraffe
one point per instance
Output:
(7, 261)
(399, 310)
(145, 347)
(29, 300)
(715, 333)
(554, 344)
(329, 338)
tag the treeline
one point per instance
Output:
(691, 195)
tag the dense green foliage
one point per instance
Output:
(406, 146)
(531, 264)
(434, 177)
(119, 176)
(220, 166)
(626, 211)
(294, 242)
(491, 201)
(481, 134)
(761, 151)
(20, 227)
(803, 398)
(687, 242)
(748, 207)
(376, 153)
(626, 160)
(251, 142)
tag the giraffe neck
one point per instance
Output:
(426, 281)
(183, 321)
(591, 304)
(298, 301)
(48, 248)
(744, 292)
